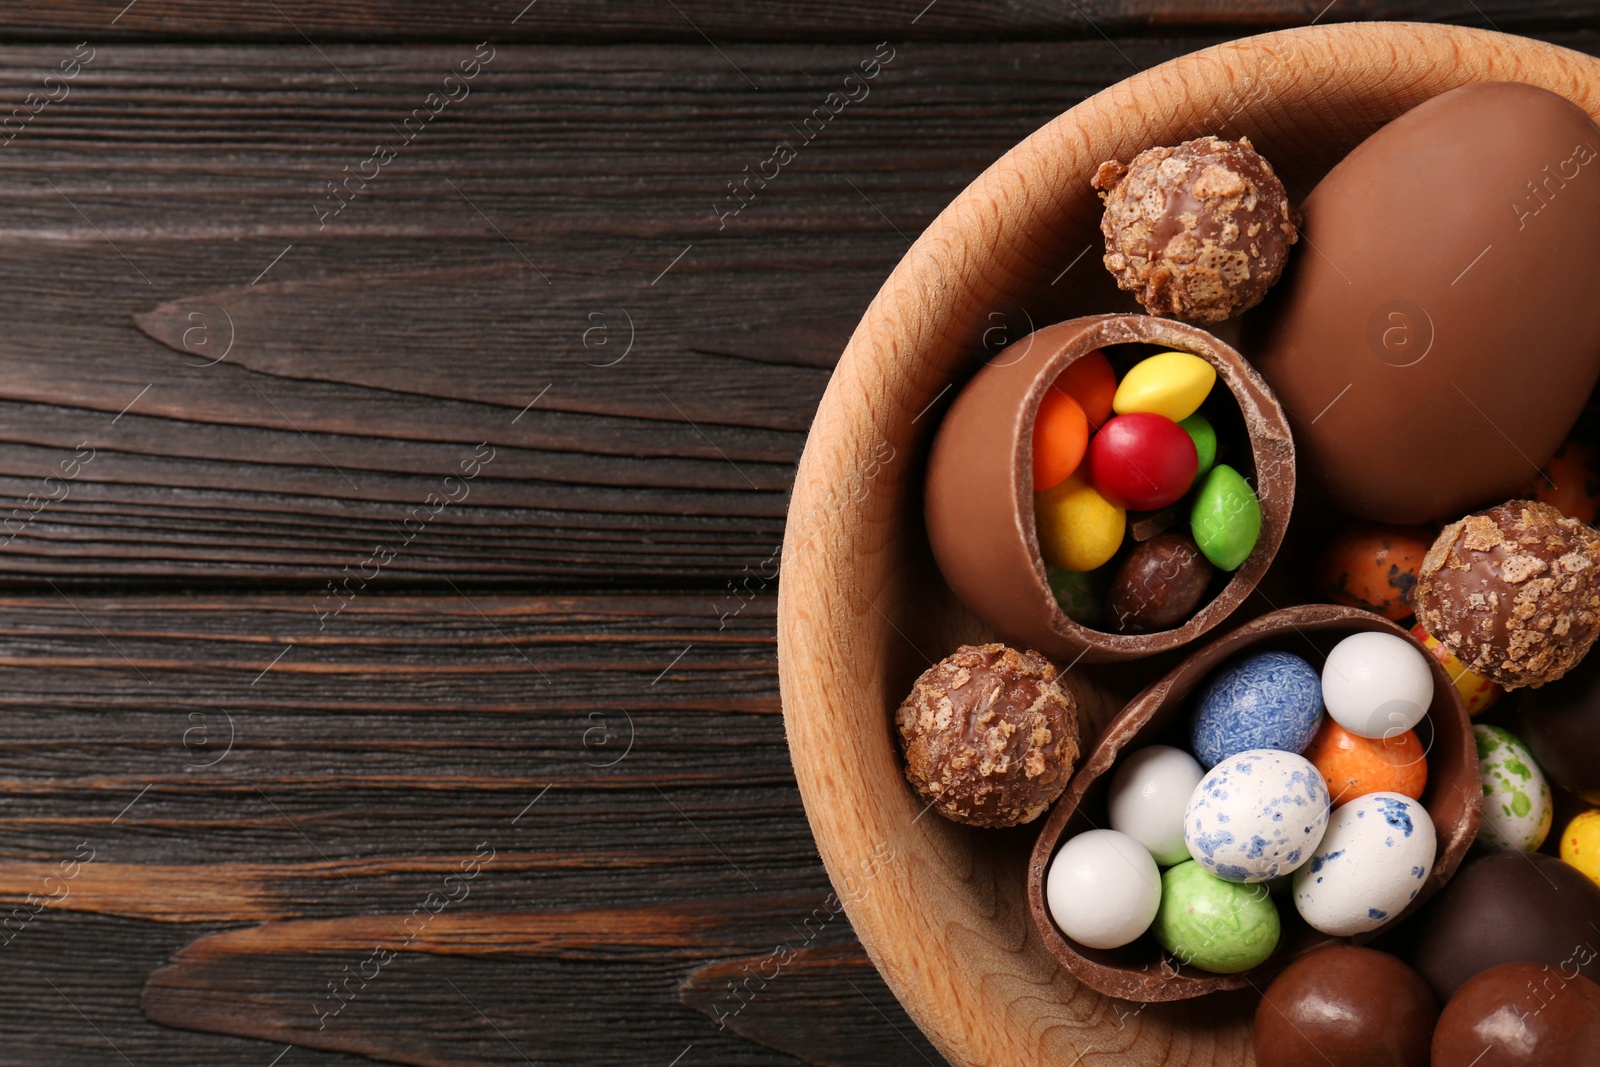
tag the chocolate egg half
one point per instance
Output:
(1437, 335)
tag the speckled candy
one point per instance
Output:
(1218, 926)
(1517, 807)
(1078, 528)
(1477, 692)
(1256, 815)
(1580, 844)
(1370, 864)
(1269, 700)
(1173, 384)
(1226, 518)
(1372, 567)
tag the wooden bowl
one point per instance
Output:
(862, 610)
(1160, 715)
(981, 468)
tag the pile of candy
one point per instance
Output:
(1104, 448)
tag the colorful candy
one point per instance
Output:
(1477, 692)
(1370, 864)
(1580, 844)
(1353, 766)
(1173, 384)
(1215, 925)
(1079, 529)
(1092, 383)
(1226, 518)
(1060, 436)
(1373, 567)
(1158, 586)
(1268, 700)
(1517, 806)
(1376, 684)
(1148, 796)
(1256, 815)
(1103, 889)
(1081, 594)
(1200, 431)
(1570, 482)
(1142, 461)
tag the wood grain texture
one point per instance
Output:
(858, 617)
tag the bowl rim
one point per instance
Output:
(831, 627)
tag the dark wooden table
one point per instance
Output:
(399, 402)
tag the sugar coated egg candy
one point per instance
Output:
(1353, 766)
(1580, 844)
(1372, 567)
(1517, 806)
(1477, 692)
(1149, 793)
(1060, 436)
(1173, 384)
(1376, 684)
(1141, 461)
(1078, 528)
(1215, 925)
(1256, 815)
(1103, 889)
(1204, 436)
(1090, 381)
(1570, 482)
(1370, 864)
(1225, 518)
(1268, 700)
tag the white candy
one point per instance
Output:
(1103, 889)
(1148, 795)
(1376, 684)
(1376, 854)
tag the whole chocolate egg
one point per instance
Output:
(1561, 723)
(1507, 907)
(1520, 1015)
(1438, 335)
(1344, 1006)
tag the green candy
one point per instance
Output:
(1226, 518)
(1221, 927)
(1205, 441)
(1081, 594)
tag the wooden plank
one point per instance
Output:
(296, 21)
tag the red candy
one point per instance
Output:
(1092, 383)
(1060, 435)
(1142, 461)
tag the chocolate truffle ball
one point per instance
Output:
(1561, 723)
(1344, 1006)
(989, 736)
(1520, 1015)
(1507, 907)
(1513, 591)
(1198, 232)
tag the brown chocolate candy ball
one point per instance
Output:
(1198, 232)
(1506, 907)
(1561, 723)
(989, 736)
(1521, 1015)
(1513, 591)
(1158, 586)
(1344, 1006)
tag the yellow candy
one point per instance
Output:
(1078, 528)
(1170, 383)
(1477, 692)
(1580, 844)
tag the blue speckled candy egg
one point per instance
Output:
(1375, 856)
(1269, 700)
(1256, 815)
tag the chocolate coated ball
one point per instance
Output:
(1513, 591)
(1198, 232)
(1521, 1015)
(1159, 585)
(1344, 1006)
(989, 737)
(1561, 722)
(1506, 907)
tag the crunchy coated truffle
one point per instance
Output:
(1198, 232)
(1513, 591)
(989, 737)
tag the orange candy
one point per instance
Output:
(1570, 482)
(1060, 437)
(1477, 692)
(1354, 766)
(1092, 383)
(1373, 567)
